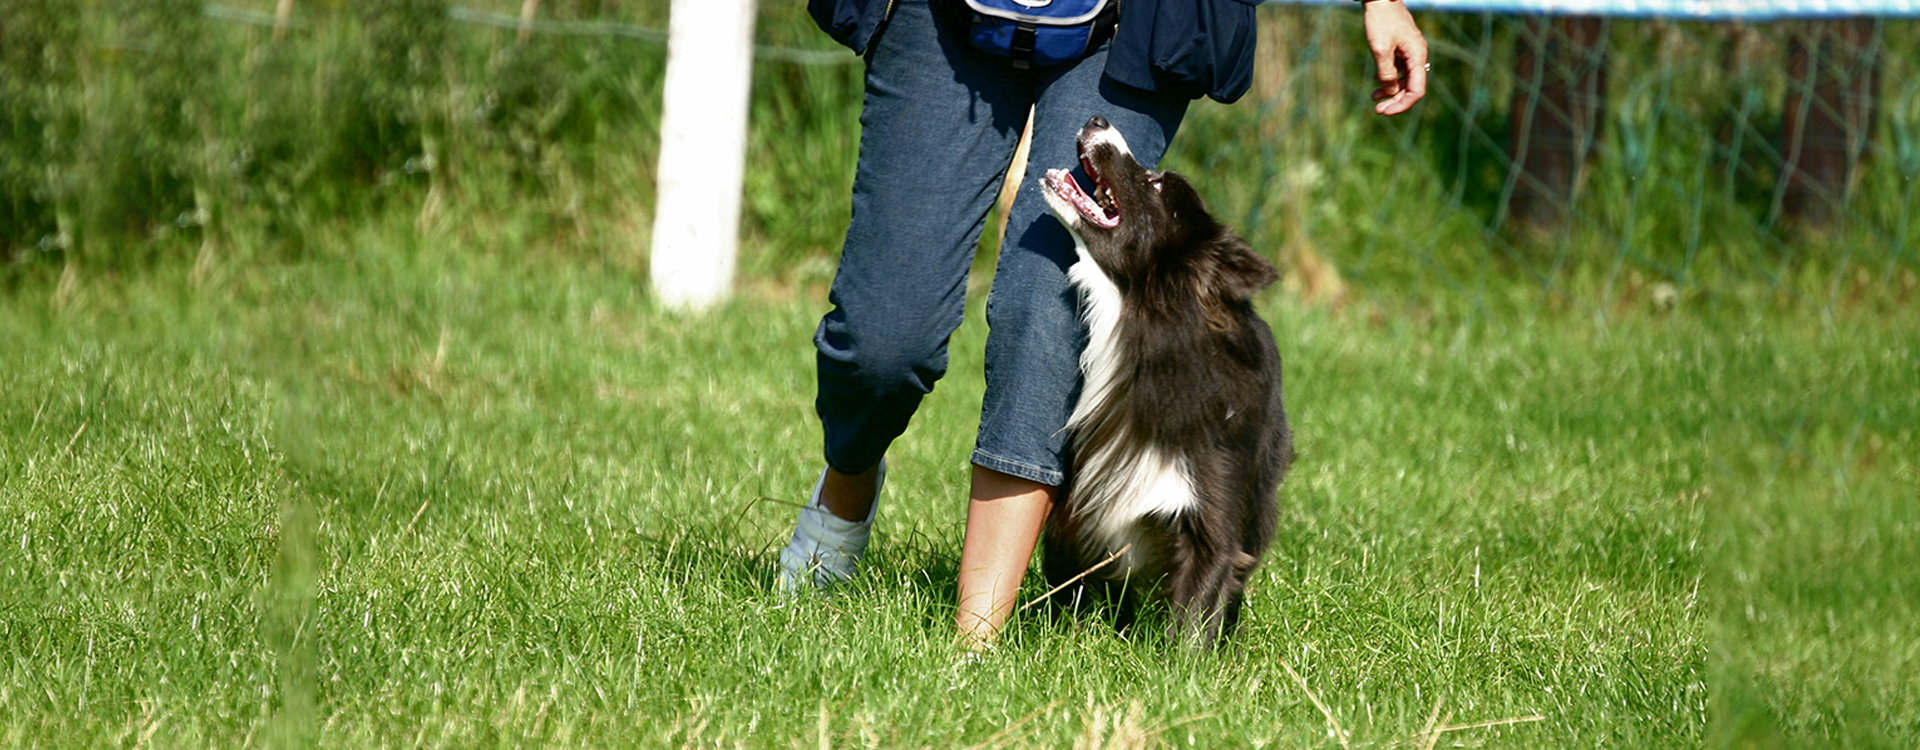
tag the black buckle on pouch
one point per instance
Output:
(1022, 48)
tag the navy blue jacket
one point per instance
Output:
(1192, 48)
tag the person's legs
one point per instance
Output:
(1034, 344)
(938, 127)
(937, 131)
(1005, 514)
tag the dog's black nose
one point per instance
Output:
(1099, 122)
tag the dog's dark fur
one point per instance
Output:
(1179, 438)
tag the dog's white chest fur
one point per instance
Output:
(1120, 478)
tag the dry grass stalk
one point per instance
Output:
(1333, 725)
(1108, 729)
(1427, 735)
(1490, 723)
(1075, 579)
(994, 740)
(1010, 188)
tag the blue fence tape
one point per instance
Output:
(1690, 10)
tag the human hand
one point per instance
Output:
(1399, 53)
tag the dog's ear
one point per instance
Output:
(1240, 272)
(1232, 268)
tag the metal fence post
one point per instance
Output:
(703, 141)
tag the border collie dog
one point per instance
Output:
(1179, 436)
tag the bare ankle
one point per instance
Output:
(1004, 519)
(974, 632)
(849, 496)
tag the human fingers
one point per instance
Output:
(1399, 54)
(1391, 88)
(1417, 67)
(1386, 72)
(1387, 97)
(1380, 41)
(1416, 70)
(1411, 59)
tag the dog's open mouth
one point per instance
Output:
(1098, 209)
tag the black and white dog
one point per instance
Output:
(1179, 437)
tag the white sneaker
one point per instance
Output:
(826, 548)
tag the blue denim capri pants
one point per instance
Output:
(939, 127)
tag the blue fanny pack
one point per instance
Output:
(1042, 32)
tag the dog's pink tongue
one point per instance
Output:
(1089, 208)
(1103, 217)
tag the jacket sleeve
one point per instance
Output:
(849, 22)
(1193, 48)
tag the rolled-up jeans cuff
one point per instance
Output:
(1019, 469)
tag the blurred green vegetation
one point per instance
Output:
(137, 130)
(133, 124)
(338, 177)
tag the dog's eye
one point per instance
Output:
(1154, 181)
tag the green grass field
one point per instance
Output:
(419, 491)
(334, 413)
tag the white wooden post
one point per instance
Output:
(529, 10)
(703, 144)
(282, 15)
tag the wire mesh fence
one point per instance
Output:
(1606, 162)
(1611, 159)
